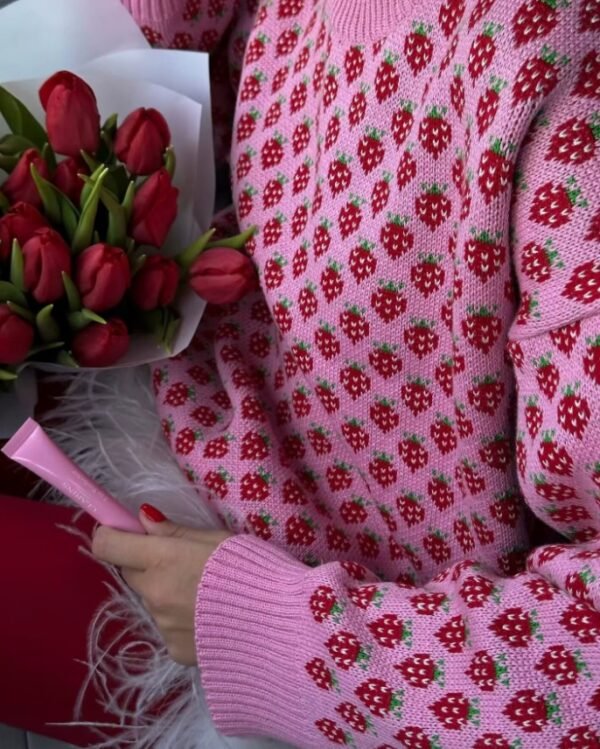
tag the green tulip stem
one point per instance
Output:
(46, 325)
(235, 243)
(187, 257)
(73, 297)
(4, 203)
(17, 275)
(127, 203)
(91, 163)
(85, 228)
(21, 311)
(45, 347)
(49, 156)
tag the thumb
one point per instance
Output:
(157, 524)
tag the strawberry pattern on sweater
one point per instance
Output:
(420, 365)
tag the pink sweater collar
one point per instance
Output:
(366, 20)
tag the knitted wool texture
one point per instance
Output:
(421, 363)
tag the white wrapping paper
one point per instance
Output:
(100, 42)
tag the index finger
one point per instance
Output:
(122, 549)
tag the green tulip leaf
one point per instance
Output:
(137, 264)
(10, 293)
(20, 120)
(7, 376)
(84, 232)
(8, 163)
(187, 257)
(45, 347)
(170, 161)
(4, 203)
(48, 195)
(21, 311)
(46, 324)
(235, 243)
(66, 359)
(73, 297)
(91, 316)
(49, 156)
(14, 145)
(127, 202)
(110, 125)
(17, 273)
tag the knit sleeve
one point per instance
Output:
(219, 27)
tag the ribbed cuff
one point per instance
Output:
(249, 606)
(153, 10)
(367, 20)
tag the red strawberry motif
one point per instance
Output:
(481, 328)
(583, 622)
(483, 50)
(354, 63)
(371, 150)
(534, 20)
(387, 78)
(515, 627)
(413, 737)
(339, 174)
(532, 711)
(324, 605)
(591, 360)
(261, 524)
(453, 634)
(574, 141)
(554, 204)
(390, 631)
(377, 695)
(354, 324)
(450, 15)
(255, 486)
(487, 672)
(346, 650)
(457, 90)
(330, 729)
(381, 468)
(421, 671)
(455, 711)
(395, 237)
(583, 284)
(538, 76)
(553, 457)
(488, 105)
(402, 122)
(433, 206)
(486, 394)
(358, 106)
(410, 508)
(362, 261)
(494, 741)
(561, 665)
(428, 275)
(476, 590)
(435, 132)
(350, 216)
(582, 737)
(365, 596)
(418, 48)
(354, 380)
(413, 453)
(484, 255)
(588, 82)
(573, 412)
(416, 395)
(323, 677)
(380, 194)
(496, 170)
(178, 394)
(300, 530)
(538, 261)
(355, 719)
(421, 338)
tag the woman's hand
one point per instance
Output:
(164, 568)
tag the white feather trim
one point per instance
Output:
(108, 424)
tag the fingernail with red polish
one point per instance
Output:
(153, 513)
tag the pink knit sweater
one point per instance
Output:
(421, 365)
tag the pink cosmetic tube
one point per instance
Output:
(31, 447)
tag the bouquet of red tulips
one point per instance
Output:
(85, 210)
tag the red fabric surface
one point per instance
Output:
(50, 591)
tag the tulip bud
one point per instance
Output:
(66, 179)
(16, 336)
(20, 185)
(154, 210)
(20, 223)
(72, 118)
(142, 140)
(46, 256)
(103, 276)
(101, 345)
(155, 285)
(222, 275)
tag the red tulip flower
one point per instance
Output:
(141, 141)
(102, 276)
(154, 210)
(20, 223)
(46, 256)
(222, 275)
(16, 336)
(100, 345)
(20, 185)
(72, 117)
(66, 179)
(155, 285)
